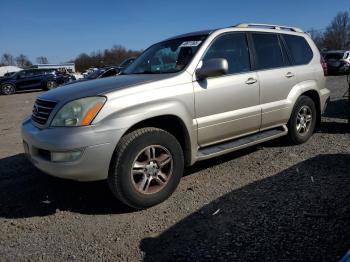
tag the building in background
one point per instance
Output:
(70, 67)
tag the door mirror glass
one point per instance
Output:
(212, 67)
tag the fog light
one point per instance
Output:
(65, 156)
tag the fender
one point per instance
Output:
(127, 111)
(301, 88)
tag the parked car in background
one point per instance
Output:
(338, 62)
(89, 71)
(126, 63)
(186, 99)
(31, 79)
(99, 73)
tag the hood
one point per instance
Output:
(99, 86)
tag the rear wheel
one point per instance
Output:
(51, 84)
(8, 89)
(146, 168)
(302, 122)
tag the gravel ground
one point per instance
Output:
(266, 203)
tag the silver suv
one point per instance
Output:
(185, 99)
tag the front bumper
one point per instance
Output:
(96, 143)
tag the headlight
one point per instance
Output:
(79, 112)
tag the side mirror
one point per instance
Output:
(212, 67)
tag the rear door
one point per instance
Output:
(276, 77)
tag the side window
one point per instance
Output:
(38, 72)
(299, 49)
(29, 73)
(234, 48)
(110, 72)
(268, 51)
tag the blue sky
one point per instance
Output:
(63, 29)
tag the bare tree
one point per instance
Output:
(42, 60)
(113, 56)
(318, 37)
(23, 61)
(7, 59)
(337, 35)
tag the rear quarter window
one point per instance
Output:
(299, 49)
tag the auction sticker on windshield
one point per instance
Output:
(190, 43)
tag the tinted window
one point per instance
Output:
(234, 48)
(110, 72)
(268, 51)
(38, 72)
(334, 56)
(299, 49)
(28, 73)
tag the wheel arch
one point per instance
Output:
(314, 95)
(309, 89)
(172, 124)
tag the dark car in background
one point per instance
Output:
(337, 62)
(102, 72)
(123, 65)
(31, 79)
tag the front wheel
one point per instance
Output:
(146, 168)
(302, 122)
(8, 89)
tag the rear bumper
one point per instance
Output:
(324, 98)
(95, 143)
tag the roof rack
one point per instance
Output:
(277, 27)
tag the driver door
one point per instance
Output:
(228, 106)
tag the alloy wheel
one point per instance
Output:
(304, 120)
(152, 169)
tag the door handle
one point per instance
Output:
(251, 80)
(289, 75)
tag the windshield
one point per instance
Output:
(95, 74)
(166, 57)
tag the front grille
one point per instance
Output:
(42, 110)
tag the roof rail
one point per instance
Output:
(277, 27)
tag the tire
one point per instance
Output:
(50, 84)
(141, 176)
(8, 89)
(303, 120)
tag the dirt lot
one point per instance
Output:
(267, 203)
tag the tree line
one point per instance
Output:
(336, 36)
(21, 60)
(112, 56)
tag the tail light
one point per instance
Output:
(324, 66)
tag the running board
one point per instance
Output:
(239, 143)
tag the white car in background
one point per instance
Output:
(8, 69)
